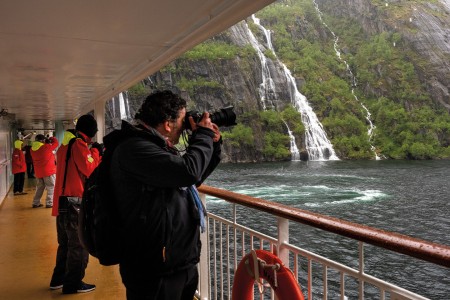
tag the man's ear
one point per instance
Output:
(166, 125)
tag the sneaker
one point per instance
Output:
(84, 288)
(22, 193)
(48, 206)
(36, 206)
(55, 286)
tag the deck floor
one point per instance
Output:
(28, 253)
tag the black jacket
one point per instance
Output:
(150, 183)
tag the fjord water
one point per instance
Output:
(408, 197)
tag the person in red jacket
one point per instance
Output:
(19, 168)
(44, 162)
(71, 257)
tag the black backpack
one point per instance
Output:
(98, 222)
(99, 228)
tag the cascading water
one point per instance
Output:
(317, 144)
(353, 81)
(123, 107)
(267, 87)
(295, 153)
(118, 109)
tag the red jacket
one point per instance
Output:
(44, 161)
(18, 159)
(81, 164)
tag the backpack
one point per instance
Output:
(98, 220)
(99, 228)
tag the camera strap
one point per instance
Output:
(68, 155)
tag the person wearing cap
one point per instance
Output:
(19, 167)
(44, 168)
(71, 257)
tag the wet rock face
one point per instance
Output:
(304, 155)
(425, 28)
(433, 42)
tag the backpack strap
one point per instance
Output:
(68, 155)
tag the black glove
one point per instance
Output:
(99, 147)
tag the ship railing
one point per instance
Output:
(226, 242)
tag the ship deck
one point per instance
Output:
(28, 252)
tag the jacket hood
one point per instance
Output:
(67, 137)
(18, 144)
(36, 145)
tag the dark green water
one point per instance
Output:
(408, 197)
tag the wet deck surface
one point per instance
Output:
(28, 253)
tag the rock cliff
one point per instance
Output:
(425, 29)
(235, 76)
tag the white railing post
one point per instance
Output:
(204, 260)
(283, 238)
(361, 270)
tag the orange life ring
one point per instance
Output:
(265, 265)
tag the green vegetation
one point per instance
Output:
(138, 91)
(275, 141)
(408, 125)
(275, 145)
(294, 120)
(212, 50)
(240, 135)
(192, 84)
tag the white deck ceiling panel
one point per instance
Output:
(58, 58)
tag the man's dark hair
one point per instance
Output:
(160, 106)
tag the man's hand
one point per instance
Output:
(216, 133)
(99, 147)
(206, 122)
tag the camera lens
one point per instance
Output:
(223, 117)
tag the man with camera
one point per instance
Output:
(44, 163)
(154, 187)
(76, 161)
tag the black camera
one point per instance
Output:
(223, 117)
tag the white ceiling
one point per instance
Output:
(58, 58)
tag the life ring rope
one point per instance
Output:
(259, 265)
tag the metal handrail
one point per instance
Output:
(425, 250)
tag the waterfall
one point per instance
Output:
(122, 107)
(267, 87)
(317, 144)
(118, 109)
(295, 153)
(354, 83)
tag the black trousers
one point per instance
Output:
(179, 286)
(30, 170)
(19, 179)
(71, 257)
